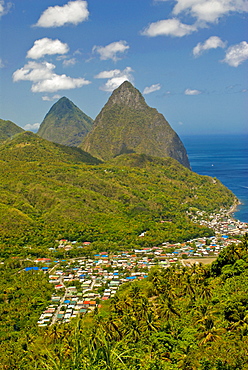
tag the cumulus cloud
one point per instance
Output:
(51, 98)
(58, 82)
(32, 127)
(115, 78)
(33, 71)
(209, 10)
(112, 50)
(168, 27)
(236, 54)
(74, 12)
(47, 46)
(4, 7)
(213, 42)
(44, 79)
(192, 92)
(152, 88)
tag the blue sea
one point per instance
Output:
(226, 158)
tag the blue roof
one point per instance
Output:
(32, 268)
(67, 301)
(44, 268)
(131, 277)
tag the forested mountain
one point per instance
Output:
(8, 130)
(49, 191)
(65, 124)
(127, 124)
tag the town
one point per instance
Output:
(82, 284)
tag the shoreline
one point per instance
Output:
(233, 208)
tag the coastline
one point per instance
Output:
(233, 208)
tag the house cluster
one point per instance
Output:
(221, 222)
(82, 284)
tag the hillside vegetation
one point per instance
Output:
(48, 191)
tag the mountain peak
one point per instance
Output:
(65, 123)
(126, 124)
(8, 129)
(127, 94)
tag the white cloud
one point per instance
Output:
(69, 62)
(74, 12)
(151, 89)
(33, 71)
(168, 27)
(115, 78)
(110, 51)
(47, 46)
(236, 54)
(209, 10)
(192, 92)
(4, 7)
(109, 74)
(32, 127)
(213, 42)
(58, 82)
(44, 79)
(51, 98)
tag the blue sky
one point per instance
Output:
(188, 58)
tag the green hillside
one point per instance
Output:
(48, 191)
(8, 129)
(126, 124)
(65, 124)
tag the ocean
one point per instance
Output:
(226, 158)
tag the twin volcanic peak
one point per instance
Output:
(126, 124)
(65, 124)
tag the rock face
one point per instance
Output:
(65, 124)
(126, 124)
(8, 129)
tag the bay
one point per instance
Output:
(226, 158)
